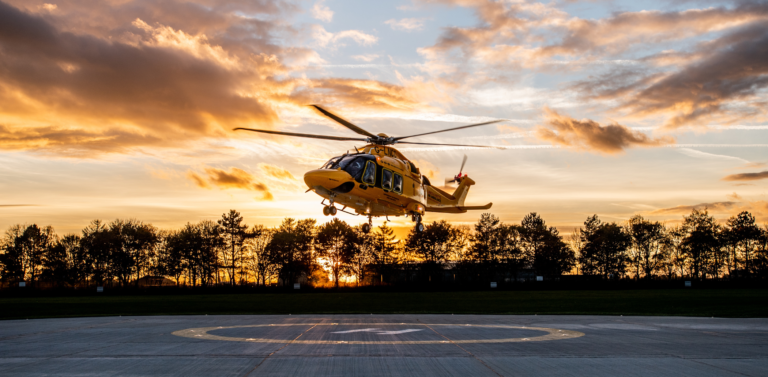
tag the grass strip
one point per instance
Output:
(718, 303)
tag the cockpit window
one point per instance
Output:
(354, 166)
(398, 183)
(386, 179)
(369, 176)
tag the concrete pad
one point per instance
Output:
(384, 345)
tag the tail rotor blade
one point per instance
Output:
(464, 161)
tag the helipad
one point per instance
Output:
(384, 345)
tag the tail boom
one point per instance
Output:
(441, 201)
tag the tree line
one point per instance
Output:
(229, 252)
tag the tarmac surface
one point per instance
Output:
(384, 345)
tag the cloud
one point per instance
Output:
(164, 84)
(322, 12)
(233, 179)
(591, 136)
(139, 76)
(406, 24)
(684, 210)
(734, 196)
(377, 95)
(747, 176)
(366, 58)
(623, 30)
(325, 38)
(276, 172)
(735, 71)
(709, 156)
(198, 180)
(759, 208)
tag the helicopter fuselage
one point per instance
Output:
(378, 181)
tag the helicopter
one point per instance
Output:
(378, 180)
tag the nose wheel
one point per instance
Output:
(329, 210)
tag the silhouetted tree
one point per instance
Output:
(435, 245)
(386, 250)
(291, 249)
(97, 243)
(171, 259)
(511, 254)
(761, 254)
(543, 247)
(234, 234)
(485, 246)
(206, 259)
(555, 257)
(131, 247)
(701, 242)
(604, 248)
(365, 256)
(258, 254)
(494, 248)
(744, 235)
(648, 240)
(12, 254)
(66, 262)
(336, 242)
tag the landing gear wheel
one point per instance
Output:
(332, 211)
(366, 228)
(419, 227)
(326, 211)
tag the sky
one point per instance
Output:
(125, 108)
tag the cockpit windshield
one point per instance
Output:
(353, 166)
(331, 163)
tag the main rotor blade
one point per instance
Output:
(451, 145)
(451, 129)
(343, 122)
(301, 135)
(464, 161)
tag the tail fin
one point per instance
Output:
(461, 192)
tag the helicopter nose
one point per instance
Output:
(327, 179)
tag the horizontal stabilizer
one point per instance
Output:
(458, 209)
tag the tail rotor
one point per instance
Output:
(457, 178)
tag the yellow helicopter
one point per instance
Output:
(379, 181)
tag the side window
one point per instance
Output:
(386, 179)
(398, 183)
(369, 176)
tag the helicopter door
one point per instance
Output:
(369, 175)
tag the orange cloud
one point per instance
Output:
(747, 176)
(107, 77)
(234, 178)
(591, 136)
(276, 172)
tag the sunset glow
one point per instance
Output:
(125, 109)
